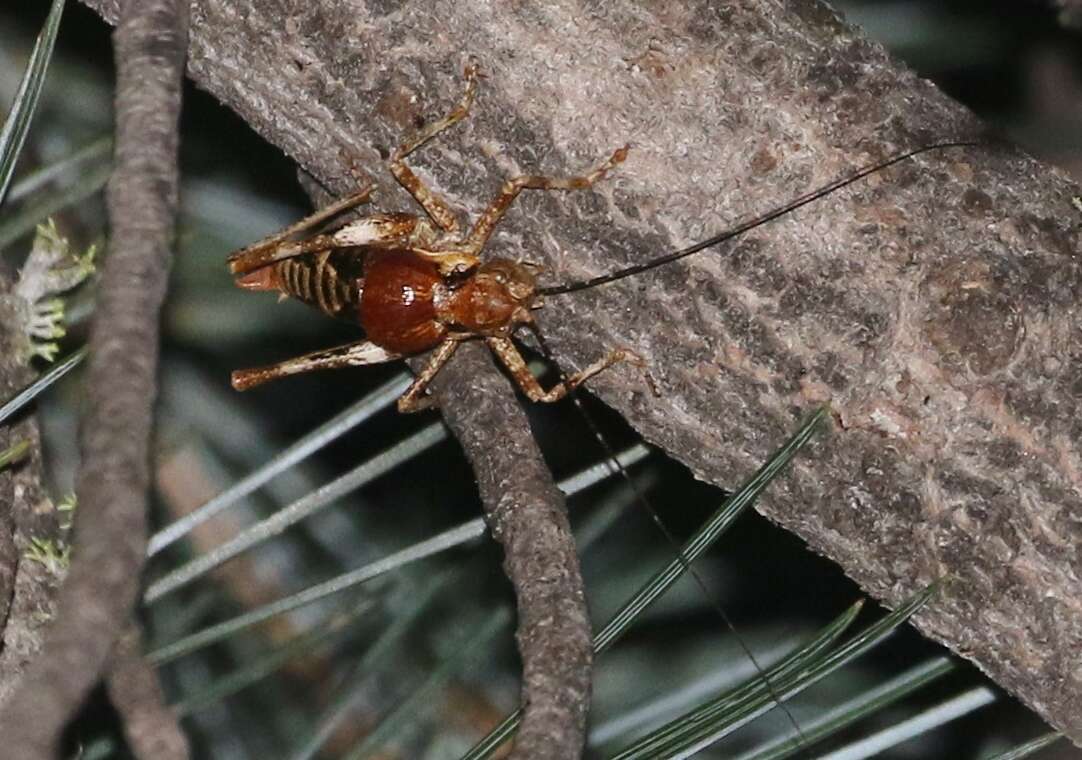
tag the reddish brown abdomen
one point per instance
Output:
(398, 311)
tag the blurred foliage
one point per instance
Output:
(330, 673)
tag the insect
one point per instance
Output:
(415, 283)
(412, 283)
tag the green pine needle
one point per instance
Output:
(22, 110)
(403, 718)
(22, 223)
(338, 709)
(14, 453)
(321, 634)
(866, 703)
(30, 392)
(733, 706)
(97, 150)
(717, 718)
(703, 539)
(1027, 749)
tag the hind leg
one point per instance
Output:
(278, 246)
(350, 355)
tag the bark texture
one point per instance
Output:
(27, 587)
(936, 306)
(95, 603)
(13, 374)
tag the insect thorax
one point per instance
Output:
(398, 307)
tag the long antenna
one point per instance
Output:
(743, 227)
(608, 449)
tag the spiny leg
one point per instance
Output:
(508, 353)
(415, 399)
(512, 187)
(272, 248)
(350, 355)
(434, 206)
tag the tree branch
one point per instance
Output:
(936, 306)
(526, 513)
(96, 601)
(29, 586)
(14, 373)
(149, 723)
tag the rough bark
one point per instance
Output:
(936, 306)
(95, 603)
(13, 374)
(27, 587)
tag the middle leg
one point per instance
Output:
(278, 246)
(415, 399)
(350, 355)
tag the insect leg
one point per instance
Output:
(512, 187)
(350, 355)
(434, 206)
(274, 248)
(415, 399)
(508, 353)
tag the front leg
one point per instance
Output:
(350, 355)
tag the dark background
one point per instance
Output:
(1010, 62)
